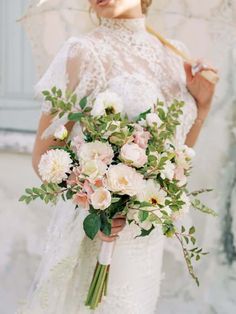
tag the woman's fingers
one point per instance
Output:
(200, 66)
(106, 238)
(116, 222)
(119, 216)
(117, 226)
(188, 71)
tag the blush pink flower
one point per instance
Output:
(98, 183)
(73, 178)
(141, 137)
(87, 188)
(180, 176)
(81, 199)
(76, 142)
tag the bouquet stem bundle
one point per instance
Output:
(99, 283)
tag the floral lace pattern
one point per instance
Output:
(122, 56)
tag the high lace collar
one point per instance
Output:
(131, 24)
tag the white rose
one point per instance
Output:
(168, 171)
(153, 119)
(94, 169)
(152, 193)
(101, 199)
(96, 150)
(54, 165)
(107, 102)
(61, 133)
(123, 179)
(133, 154)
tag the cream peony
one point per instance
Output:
(101, 198)
(153, 119)
(96, 150)
(61, 133)
(54, 165)
(133, 155)
(107, 101)
(152, 193)
(123, 179)
(94, 169)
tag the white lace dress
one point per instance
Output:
(122, 56)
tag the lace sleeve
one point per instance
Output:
(190, 108)
(75, 68)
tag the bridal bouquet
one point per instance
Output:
(120, 166)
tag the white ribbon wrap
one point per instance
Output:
(106, 251)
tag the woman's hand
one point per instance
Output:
(200, 88)
(118, 225)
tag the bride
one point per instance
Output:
(122, 56)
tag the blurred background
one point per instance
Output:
(31, 32)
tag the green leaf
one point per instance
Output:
(115, 199)
(192, 230)
(29, 191)
(83, 103)
(54, 89)
(105, 225)
(204, 209)
(69, 194)
(143, 115)
(145, 233)
(59, 93)
(74, 99)
(22, 198)
(198, 257)
(75, 116)
(92, 224)
(143, 215)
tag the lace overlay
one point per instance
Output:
(122, 56)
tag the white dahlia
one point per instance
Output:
(54, 165)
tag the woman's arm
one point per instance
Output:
(42, 145)
(203, 92)
(193, 134)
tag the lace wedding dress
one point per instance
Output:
(122, 56)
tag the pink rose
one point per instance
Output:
(133, 155)
(141, 137)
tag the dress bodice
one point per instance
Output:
(121, 55)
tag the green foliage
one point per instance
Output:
(92, 224)
(144, 232)
(47, 193)
(197, 204)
